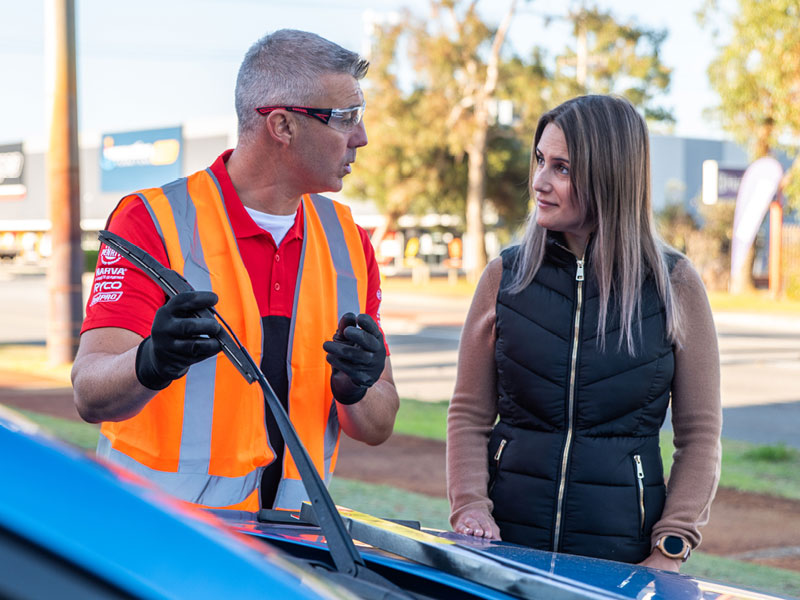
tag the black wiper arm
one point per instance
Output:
(172, 283)
(343, 551)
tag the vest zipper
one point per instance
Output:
(570, 407)
(497, 456)
(499, 452)
(640, 486)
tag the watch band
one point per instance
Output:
(673, 546)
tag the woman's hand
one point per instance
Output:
(657, 560)
(478, 523)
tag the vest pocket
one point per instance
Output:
(494, 463)
(637, 464)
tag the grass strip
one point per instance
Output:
(80, 434)
(422, 419)
(389, 502)
(760, 468)
(743, 574)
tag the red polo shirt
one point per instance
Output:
(123, 296)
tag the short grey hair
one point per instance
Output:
(284, 67)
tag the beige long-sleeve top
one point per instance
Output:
(696, 408)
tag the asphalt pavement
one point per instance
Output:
(760, 354)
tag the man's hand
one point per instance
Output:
(478, 523)
(178, 339)
(357, 355)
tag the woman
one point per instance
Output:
(577, 339)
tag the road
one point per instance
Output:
(760, 354)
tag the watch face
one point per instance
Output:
(673, 544)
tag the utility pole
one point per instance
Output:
(66, 261)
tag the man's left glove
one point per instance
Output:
(357, 355)
(177, 340)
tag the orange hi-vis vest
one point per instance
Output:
(203, 439)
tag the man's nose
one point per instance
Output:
(359, 137)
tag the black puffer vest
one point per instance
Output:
(574, 460)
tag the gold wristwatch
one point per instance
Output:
(673, 546)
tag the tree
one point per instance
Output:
(757, 77)
(617, 57)
(435, 140)
(406, 168)
(439, 131)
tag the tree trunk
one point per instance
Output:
(475, 247)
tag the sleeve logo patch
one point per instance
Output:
(109, 256)
(105, 297)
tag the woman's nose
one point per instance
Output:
(540, 182)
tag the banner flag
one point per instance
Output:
(758, 188)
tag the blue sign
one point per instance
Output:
(133, 160)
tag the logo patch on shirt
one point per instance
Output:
(105, 297)
(108, 256)
(105, 286)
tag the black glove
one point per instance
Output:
(177, 340)
(357, 354)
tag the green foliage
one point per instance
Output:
(757, 76)
(751, 467)
(676, 225)
(423, 126)
(90, 260)
(775, 453)
(749, 575)
(707, 243)
(82, 435)
(388, 502)
(423, 419)
(621, 58)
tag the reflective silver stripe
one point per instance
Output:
(195, 450)
(293, 322)
(291, 494)
(199, 488)
(153, 217)
(346, 283)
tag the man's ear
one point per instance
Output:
(280, 127)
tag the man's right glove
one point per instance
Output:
(178, 339)
(357, 355)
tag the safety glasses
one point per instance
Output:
(340, 119)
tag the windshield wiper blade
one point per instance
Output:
(343, 552)
(173, 283)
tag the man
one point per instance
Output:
(287, 269)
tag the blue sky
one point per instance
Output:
(154, 63)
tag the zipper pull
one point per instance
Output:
(500, 450)
(579, 273)
(639, 468)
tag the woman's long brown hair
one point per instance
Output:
(609, 153)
